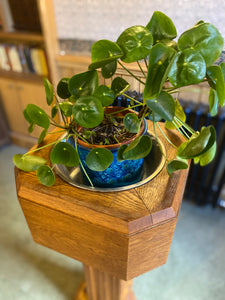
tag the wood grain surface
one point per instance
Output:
(122, 233)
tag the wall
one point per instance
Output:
(106, 19)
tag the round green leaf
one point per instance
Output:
(105, 95)
(136, 43)
(83, 84)
(161, 27)
(28, 163)
(131, 122)
(66, 108)
(54, 111)
(109, 70)
(160, 61)
(163, 106)
(99, 159)
(138, 148)
(179, 113)
(216, 81)
(37, 115)
(176, 164)
(88, 111)
(65, 154)
(119, 85)
(204, 38)
(154, 117)
(103, 52)
(45, 175)
(48, 91)
(120, 153)
(213, 102)
(62, 88)
(188, 68)
(208, 156)
(199, 144)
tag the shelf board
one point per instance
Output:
(22, 36)
(21, 76)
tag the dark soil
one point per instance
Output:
(110, 131)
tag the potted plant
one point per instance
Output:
(84, 105)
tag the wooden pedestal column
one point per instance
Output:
(117, 235)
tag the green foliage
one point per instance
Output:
(163, 106)
(99, 159)
(88, 111)
(136, 43)
(104, 52)
(161, 27)
(45, 175)
(160, 62)
(48, 91)
(83, 84)
(63, 89)
(28, 163)
(132, 123)
(65, 154)
(165, 66)
(204, 38)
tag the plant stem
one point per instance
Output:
(88, 178)
(168, 140)
(146, 63)
(57, 125)
(124, 109)
(185, 125)
(63, 117)
(132, 98)
(45, 146)
(131, 73)
(141, 69)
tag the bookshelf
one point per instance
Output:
(23, 64)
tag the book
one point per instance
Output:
(27, 55)
(23, 60)
(39, 61)
(15, 59)
(4, 59)
(43, 60)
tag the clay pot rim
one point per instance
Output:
(116, 146)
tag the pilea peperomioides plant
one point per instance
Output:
(166, 66)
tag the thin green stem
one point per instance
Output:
(88, 178)
(82, 138)
(124, 109)
(185, 125)
(168, 140)
(146, 63)
(181, 130)
(45, 146)
(128, 71)
(141, 69)
(63, 117)
(57, 125)
(132, 98)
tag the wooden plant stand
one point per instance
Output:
(116, 235)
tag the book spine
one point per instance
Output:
(28, 59)
(15, 59)
(4, 59)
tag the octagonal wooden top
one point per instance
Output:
(126, 212)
